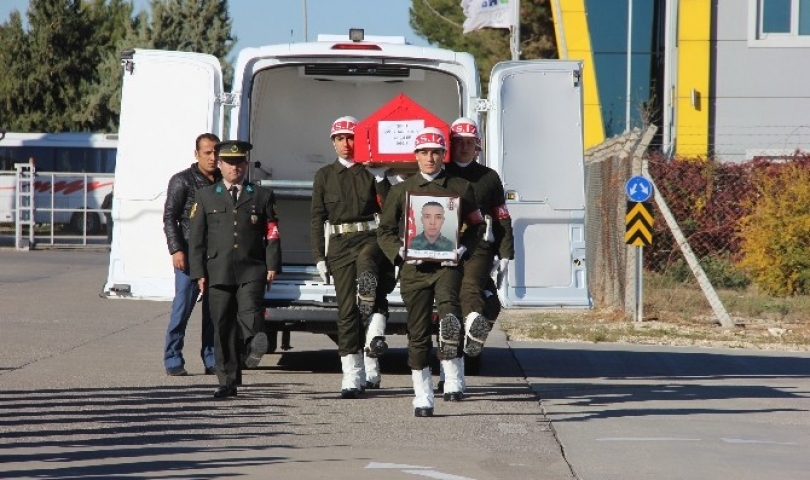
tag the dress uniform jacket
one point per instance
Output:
(350, 196)
(391, 230)
(343, 195)
(233, 244)
(491, 199)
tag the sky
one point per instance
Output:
(266, 22)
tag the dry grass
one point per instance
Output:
(675, 314)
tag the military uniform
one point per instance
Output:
(421, 284)
(233, 245)
(490, 198)
(350, 198)
(442, 244)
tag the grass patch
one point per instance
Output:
(675, 313)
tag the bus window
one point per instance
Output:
(6, 162)
(109, 160)
(43, 157)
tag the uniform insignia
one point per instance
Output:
(249, 188)
(501, 212)
(218, 189)
(254, 218)
(272, 231)
(193, 210)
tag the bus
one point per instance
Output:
(74, 172)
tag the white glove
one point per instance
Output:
(409, 262)
(499, 268)
(323, 271)
(488, 235)
(378, 172)
(459, 253)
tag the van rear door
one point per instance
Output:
(168, 99)
(535, 142)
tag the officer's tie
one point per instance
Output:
(234, 193)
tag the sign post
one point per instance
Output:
(638, 229)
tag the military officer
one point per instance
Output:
(498, 240)
(235, 255)
(423, 282)
(349, 196)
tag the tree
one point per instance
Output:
(194, 26)
(440, 22)
(114, 28)
(64, 74)
(15, 61)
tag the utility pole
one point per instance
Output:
(304, 4)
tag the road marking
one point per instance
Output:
(417, 470)
(394, 466)
(647, 439)
(437, 475)
(762, 442)
(512, 428)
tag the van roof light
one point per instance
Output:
(356, 34)
(355, 46)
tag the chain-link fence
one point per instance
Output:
(739, 227)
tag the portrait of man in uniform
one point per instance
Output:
(434, 236)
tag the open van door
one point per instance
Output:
(535, 143)
(168, 99)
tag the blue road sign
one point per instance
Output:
(638, 189)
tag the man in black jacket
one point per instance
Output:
(180, 195)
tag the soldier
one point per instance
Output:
(349, 196)
(235, 255)
(423, 282)
(498, 240)
(431, 237)
(180, 194)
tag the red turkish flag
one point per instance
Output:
(411, 227)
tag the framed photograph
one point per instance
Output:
(432, 226)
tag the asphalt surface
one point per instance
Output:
(83, 394)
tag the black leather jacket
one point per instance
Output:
(179, 199)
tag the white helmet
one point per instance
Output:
(464, 127)
(343, 125)
(430, 137)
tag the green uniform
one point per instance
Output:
(423, 284)
(442, 244)
(233, 246)
(490, 198)
(347, 196)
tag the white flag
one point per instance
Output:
(489, 13)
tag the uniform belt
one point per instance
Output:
(353, 227)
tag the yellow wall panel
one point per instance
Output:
(694, 57)
(574, 43)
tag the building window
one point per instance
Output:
(779, 23)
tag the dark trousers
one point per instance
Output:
(235, 312)
(476, 276)
(419, 303)
(350, 326)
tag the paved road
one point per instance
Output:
(83, 394)
(634, 412)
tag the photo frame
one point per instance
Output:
(432, 223)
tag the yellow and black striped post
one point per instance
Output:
(639, 224)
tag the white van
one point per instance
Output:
(283, 101)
